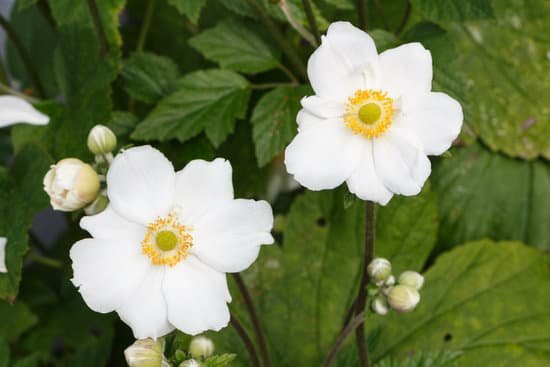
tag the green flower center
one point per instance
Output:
(166, 240)
(370, 113)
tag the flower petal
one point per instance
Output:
(109, 225)
(203, 185)
(145, 311)
(335, 68)
(323, 154)
(229, 237)
(107, 271)
(141, 184)
(321, 107)
(14, 109)
(3, 243)
(400, 163)
(364, 181)
(405, 70)
(196, 296)
(435, 119)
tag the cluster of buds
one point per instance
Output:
(72, 184)
(401, 296)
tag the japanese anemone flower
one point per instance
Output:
(373, 119)
(160, 250)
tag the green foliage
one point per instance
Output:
(219, 361)
(190, 8)
(454, 10)
(15, 319)
(442, 358)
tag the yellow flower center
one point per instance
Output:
(369, 112)
(167, 242)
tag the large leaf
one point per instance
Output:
(15, 320)
(489, 300)
(454, 10)
(485, 194)
(190, 8)
(209, 100)
(235, 46)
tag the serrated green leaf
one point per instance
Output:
(23, 4)
(454, 10)
(444, 358)
(274, 121)
(383, 39)
(15, 320)
(122, 123)
(190, 8)
(219, 361)
(235, 46)
(206, 100)
(149, 77)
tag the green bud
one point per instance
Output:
(101, 140)
(412, 279)
(379, 269)
(201, 346)
(403, 298)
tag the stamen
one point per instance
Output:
(369, 113)
(167, 242)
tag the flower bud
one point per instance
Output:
(190, 363)
(201, 346)
(71, 184)
(380, 305)
(101, 140)
(412, 279)
(390, 281)
(403, 298)
(379, 269)
(146, 353)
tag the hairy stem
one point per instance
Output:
(352, 325)
(246, 340)
(98, 25)
(144, 31)
(311, 20)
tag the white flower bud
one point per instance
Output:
(101, 140)
(190, 363)
(380, 305)
(146, 353)
(403, 298)
(379, 269)
(71, 184)
(201, 346)
(412, 279)
(390, 281)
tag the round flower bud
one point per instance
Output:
(379, 269)
(380, 305)
(71, 184)
(403, 298)
(390, 281)
(101, 140)
(190, 363)
(145, 353)
(412, 279)
(201, 346)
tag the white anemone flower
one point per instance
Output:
(3, 242)
(373, 119)
(15, 109)
(160, 250)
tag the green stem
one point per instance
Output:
(352, 325)
(288, 73)
(25, 57)
(44, 260)
(144, 31)
(239, 328)
(362, 12)
(272, 85)
(98, 24)
(7, 90)
(311, 20)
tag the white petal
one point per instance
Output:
(364, 181)
(196, 296)
(141, 184)
(145, 311)
(321, 107)
(335, 68)
(405, 70)
(435, 119)
(323, 154)
(203, 185)
(109, 225)
(229, 237)
(14, 109)
(107, 272)
(400, 162)
(3, 243)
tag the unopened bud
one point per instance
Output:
(390, 281)
(146, 353)
(71, 184)
(379, 269)
(403, 298)
(380, 305)
(201, 346)
(190, 363)
(412, 279)
(101, 140)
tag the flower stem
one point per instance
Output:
(25, 57)
(246, 340)
(352, 325)
(254, 318)
(98, 24)
(144, 31)
(8, 90)
(296, 25)
(362, 296)
(288, 73)
(362, 12)
(311, 20)
(44, 260)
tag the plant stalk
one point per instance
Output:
(352, 325)
(144, 31)
(246, 340)
(311, 20)
(100, 30)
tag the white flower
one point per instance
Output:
(201, 346)
(14, 110)
(403, 298)
(3, 242)
(379, 269)
(373, 118)
(412, 279)
(71, 184)
(160, 250)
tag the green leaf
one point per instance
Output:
(190, 8)
(206, 100)
(484, 194)
(4, 353)
(149, 77)
(30, 361)
(15, 320)
(274, 121)
(219, 361)
(235, 46)
(122, 123)
(443, 358)
(489, 300)
(341, 4)
(23, 4)
(454, 10)
(383, 39)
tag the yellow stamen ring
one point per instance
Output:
(167, 242)
(369, 113)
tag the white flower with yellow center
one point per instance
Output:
(160, 250)
(373, 119)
